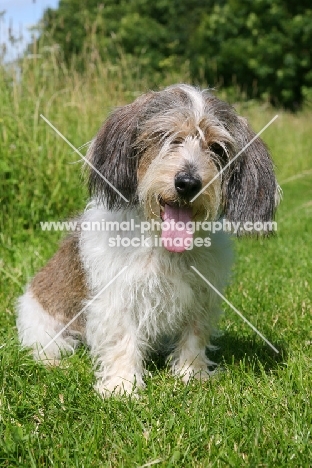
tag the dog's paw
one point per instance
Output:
(118, 386)
(201, 371)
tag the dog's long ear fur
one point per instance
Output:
(113, 155)
(250, 190)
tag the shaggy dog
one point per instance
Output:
(162, 169)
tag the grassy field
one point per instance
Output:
(257, 413)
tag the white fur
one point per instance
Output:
(197, 99)
(36, 329)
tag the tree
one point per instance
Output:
(262, 45)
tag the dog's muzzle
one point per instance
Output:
(186, 185)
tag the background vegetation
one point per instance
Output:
(255, 413)
(261, 46)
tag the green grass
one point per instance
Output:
(257, 413)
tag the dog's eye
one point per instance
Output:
(177, 141)
(220, 152)
(217, 149)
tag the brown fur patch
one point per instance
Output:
(60, 286)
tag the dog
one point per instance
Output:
(168, 159)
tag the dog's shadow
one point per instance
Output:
(232, 351)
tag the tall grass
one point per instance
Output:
(256, 413)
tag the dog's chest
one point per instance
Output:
(162, 294)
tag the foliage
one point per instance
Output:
(263, 47)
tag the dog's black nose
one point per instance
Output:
(186, 185)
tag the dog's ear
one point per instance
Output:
(114, 159)
(250, 190)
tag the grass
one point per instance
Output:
(257, 413)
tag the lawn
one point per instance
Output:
(257, 412)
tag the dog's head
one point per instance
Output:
(169, 152)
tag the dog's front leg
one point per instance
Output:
(116, 351)
(189, 359)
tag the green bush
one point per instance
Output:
(263, 47)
